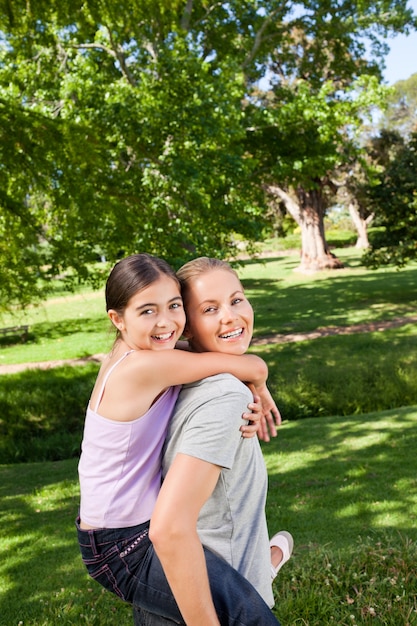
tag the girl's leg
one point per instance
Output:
(124, 562)
(144, 618)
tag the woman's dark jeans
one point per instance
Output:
(124, 562)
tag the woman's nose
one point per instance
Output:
(227, 314)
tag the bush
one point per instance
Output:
(42, 413)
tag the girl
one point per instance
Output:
(126, 422)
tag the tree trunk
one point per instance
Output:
(307, 209)
(361, 225)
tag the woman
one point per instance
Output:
(126, 422)
(215, 486)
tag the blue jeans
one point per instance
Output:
(123, 561)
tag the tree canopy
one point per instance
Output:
(134, 125)
(393, 193)
(401, 110)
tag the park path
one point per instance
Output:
(257, 341)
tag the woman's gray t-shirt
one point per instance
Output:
(232, 523)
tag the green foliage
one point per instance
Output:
(394, 193)
(145, 158)
(125, 124)
(402, 106)
(308, 130)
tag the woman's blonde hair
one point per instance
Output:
(197, 267)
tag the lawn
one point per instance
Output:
(342, 471)
(345, 487)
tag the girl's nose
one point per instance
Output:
(161, 321)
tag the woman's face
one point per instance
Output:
(219, 317)
(154, 318)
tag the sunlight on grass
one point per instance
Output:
(75, 325)
(344, 504)
(339, 476)
(384, 513)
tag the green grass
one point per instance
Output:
(347, 490)
(343, 481)
(285, 301)
(70, 326)
(42, 580)
(42, 412)
(344, 375)
(345, 487)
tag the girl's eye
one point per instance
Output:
(236, 300)
(209, 309)
(147, 312)
(176, 305)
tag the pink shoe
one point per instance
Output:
(285, 542)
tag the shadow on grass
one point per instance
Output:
(332, 481)
(344, 375)
(42, 413)
(57, 330)
(43, 578)
(328, 299)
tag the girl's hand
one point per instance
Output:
(255, 418)
(271, 414)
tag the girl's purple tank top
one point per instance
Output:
(120, 464)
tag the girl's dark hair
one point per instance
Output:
(132, 274)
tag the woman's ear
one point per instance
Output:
(116, 319)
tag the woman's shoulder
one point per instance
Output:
(220, 384)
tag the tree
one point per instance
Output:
(145, 130)
(144, 133)
(401, 108)
(322, 87)
(394, 196)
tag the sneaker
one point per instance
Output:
(285, 542)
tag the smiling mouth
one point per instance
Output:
(163, 337)
(233, 334)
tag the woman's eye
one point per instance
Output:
(236, 300)
(209, 309)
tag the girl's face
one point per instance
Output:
(154, 318)
(219, 317)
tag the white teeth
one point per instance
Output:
(162, 337)
(235, 333)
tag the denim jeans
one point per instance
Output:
(123, 561)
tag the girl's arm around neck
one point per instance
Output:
(177, 367)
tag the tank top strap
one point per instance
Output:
(103, 385)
